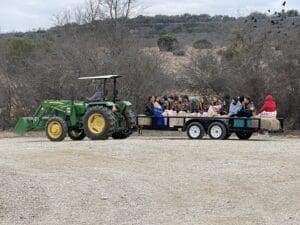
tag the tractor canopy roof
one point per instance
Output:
(100, 77)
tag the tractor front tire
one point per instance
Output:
(130, 119)
(121, 135)
(99, 123)
(56, 129)
(76, 134)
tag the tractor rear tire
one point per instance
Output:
(76, 134)
(99, 123)
(56, 129)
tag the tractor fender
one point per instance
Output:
(107, 104)
(126, 103)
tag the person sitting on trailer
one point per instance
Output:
(149, 106)
(178, 103)
(235, 107)
(247, 108)
(186, 104)
(204, 103)
(241, 99)
(225, 105)
(269, 107)
(164, 103)
(157, 112)
(214, 109)
(171, 103)
(157, 102)
(195, 105)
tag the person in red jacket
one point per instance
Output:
(269, 107)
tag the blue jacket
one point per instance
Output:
(157, 120)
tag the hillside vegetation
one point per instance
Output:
(252, 56)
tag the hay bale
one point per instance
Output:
(269, 124)
(144, 121)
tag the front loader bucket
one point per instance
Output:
(24, 124)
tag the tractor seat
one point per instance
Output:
(96, 96)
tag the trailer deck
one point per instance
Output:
(216, 127)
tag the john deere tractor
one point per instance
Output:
(98, 117)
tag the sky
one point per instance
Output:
(25, 15)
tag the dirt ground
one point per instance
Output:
(150, 180)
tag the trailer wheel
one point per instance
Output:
(195, 130)
(56, 129)
(76, 134)
(99, 123)
(217, 131)
(244, 135)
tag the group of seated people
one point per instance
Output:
(161, 107)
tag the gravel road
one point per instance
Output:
(150, 180)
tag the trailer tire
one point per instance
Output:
(99, 123)
(76, 134)
(56, 129)
(195, 130)
(243, 135)
(217, 131)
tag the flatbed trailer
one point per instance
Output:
(217, 128)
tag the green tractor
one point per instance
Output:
(98, 117)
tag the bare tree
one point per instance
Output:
(119, 8)
(62, 18)
(93, 10)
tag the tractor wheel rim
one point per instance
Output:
(54, 129)
(216, 131)
(194, 131)
(96, 123)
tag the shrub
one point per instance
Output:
(20, 46)
(231, 51)
(179, 53)
(167, 42)
(202, 44)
